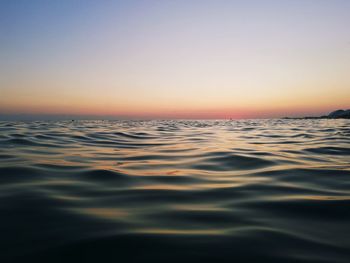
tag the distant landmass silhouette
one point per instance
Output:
(338, 114)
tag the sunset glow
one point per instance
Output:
(174, 59)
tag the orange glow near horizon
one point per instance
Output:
(168, 113)
(194, 107)
(176, 60)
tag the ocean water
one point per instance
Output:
(175, 191)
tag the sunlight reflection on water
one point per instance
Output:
(278, 187)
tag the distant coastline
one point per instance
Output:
(338, 114)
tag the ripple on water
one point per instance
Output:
(221, 161)
(170, 191)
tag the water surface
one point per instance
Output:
(175, 191)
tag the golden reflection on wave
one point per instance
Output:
(255, 185)
(192, 187)
(166, 187)
(103, 213)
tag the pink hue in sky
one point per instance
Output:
(175, 59)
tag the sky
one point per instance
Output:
(174, 59)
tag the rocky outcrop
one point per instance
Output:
(339, 114)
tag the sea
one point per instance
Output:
(274, 190)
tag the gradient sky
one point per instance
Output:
(174, 59)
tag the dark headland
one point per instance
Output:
(338, 114)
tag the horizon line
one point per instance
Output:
(54, 117)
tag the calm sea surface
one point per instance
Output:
(175, 191)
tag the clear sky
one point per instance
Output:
(175, 59)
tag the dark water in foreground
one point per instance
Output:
(175, 191)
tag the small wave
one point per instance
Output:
(231, 161)
(169, 191)
(329, 150)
